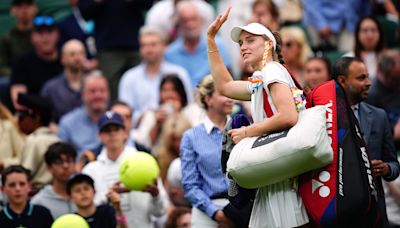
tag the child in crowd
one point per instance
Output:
(81, 190)
(18, 212)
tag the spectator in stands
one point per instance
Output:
(352, 75)
(266, 13)
(64, 91)
(79, 127)
(189, 50)
(369, 44)
(81, 190)
(179, 218)
(171, 102)
(140, 86)
(331, 24)
(35, 68)
(19, 212)
(34, 121)
(12, 140)
(17, 40)
(60, 161)
(126, 112)
(295, 50)
(117, 25)
(174, 185)
(138, 206)
(163, 16)
(74, 26)
(316, 71)
(385, 90)
(204, 183)
(170, 139)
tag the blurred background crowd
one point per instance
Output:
(65, 63)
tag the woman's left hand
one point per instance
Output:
(237, 134)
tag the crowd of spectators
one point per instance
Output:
(80, 93)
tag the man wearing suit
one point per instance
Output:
(352, 75)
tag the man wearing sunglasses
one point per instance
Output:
(33, 69)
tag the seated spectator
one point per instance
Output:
(125, 111)
(316, 71)
(80, 189)
(140, 86)
(74, 26)
(369, 43)
(189, 49)
(163, 16)
(385, 90)
(174, 185)
(179, 218)
(12, 140)
(170, 139)
(331, 24)
(138, 206)
(34, 121)
(95, 97)
(60, 161)
(34, 69)
(17, 41)
(171, 101)
(15, 181)
(266, 13)
(295, 51)
(64, 91)
(116, 28)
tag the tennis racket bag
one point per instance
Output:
(342, 194)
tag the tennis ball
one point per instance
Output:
(70, 221)
(137, 170)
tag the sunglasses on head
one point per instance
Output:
(43, 21)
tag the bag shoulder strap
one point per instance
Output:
(267, 106)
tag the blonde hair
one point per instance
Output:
(299, 37)
(206, 88)
(175, 124)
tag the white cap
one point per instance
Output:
(253, 28)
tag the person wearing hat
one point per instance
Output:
(32, 70)
(275, 205)
(138, 206)
(34, 120)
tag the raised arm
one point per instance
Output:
(223, 79)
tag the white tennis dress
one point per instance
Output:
(276, 205)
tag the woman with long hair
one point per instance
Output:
(275, 205)
(369, 43)
(171, 101)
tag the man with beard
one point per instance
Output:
(352, 75)
(79, 127)
(64, 91)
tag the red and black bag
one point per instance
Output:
(342, 194)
